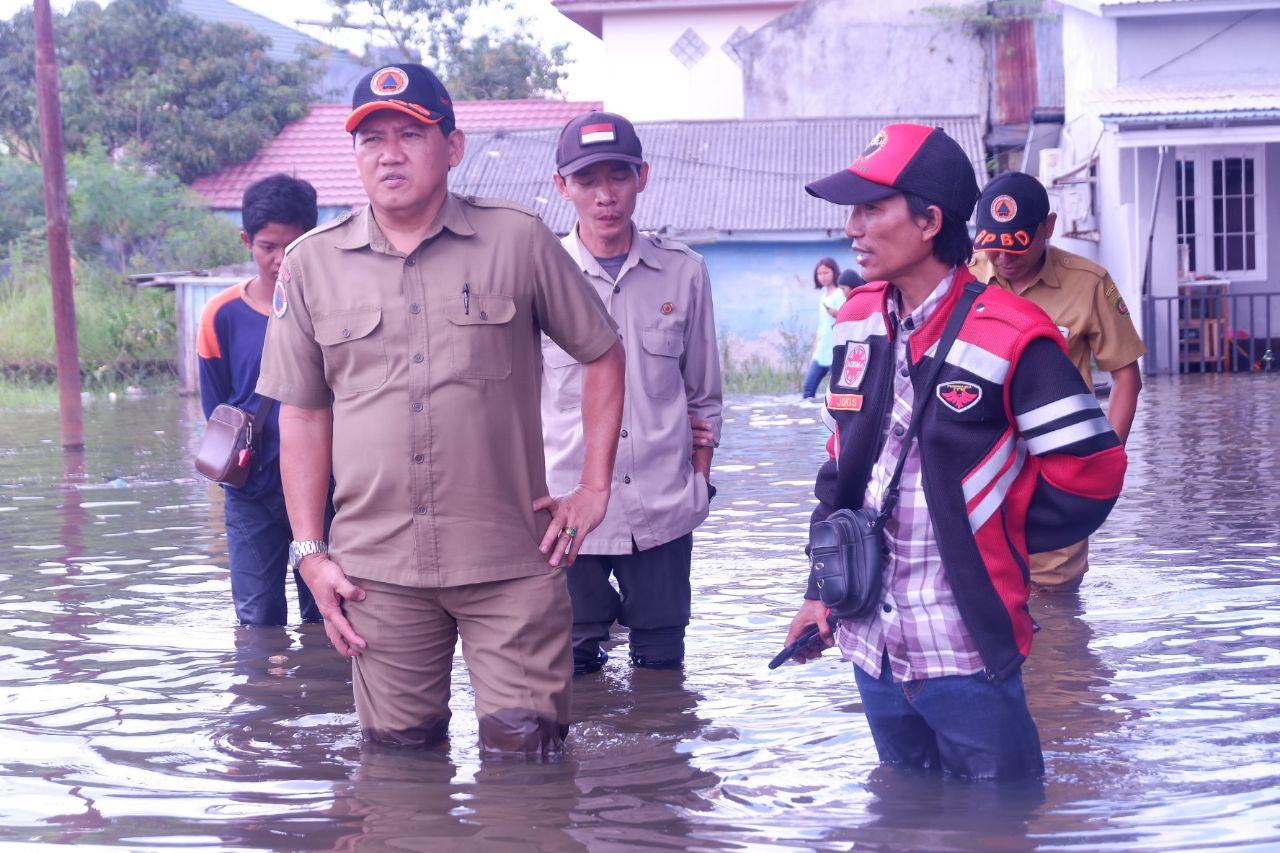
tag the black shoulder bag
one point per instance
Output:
(846, 549)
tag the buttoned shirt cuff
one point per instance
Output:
(293, 396)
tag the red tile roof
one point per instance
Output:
(317, 149)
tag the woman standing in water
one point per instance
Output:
(824, 279)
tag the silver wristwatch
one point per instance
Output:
(300, 549)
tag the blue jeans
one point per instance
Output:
(258, 535)
(813, 379)
(963, 725)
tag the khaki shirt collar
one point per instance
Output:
(1050, 274)
(642, 251)
(363, 229)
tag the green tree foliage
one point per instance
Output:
(184, 96)
(492, 65)
(124, 217)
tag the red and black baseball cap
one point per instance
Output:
(906, 158)
(594, 138)
(1012, 207)
(408, 88)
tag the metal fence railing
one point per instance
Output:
(1209, 330)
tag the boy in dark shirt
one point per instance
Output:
(276, 211)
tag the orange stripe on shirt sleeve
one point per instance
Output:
(207, 337)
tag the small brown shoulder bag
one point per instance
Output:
(226, 451)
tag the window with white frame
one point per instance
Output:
(1220, 203)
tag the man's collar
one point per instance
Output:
(1048, 274)
(363, 228)
(642, 251)
(925, 309)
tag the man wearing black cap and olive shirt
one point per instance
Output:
(659, 294)
(1013, 455)
(1013, 252)
(404, 351)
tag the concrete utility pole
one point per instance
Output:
(55, 211)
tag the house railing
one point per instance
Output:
(1211, 330)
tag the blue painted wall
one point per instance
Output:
(758, 287)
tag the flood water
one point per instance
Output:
(133, 715)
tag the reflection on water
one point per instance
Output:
(133, 714)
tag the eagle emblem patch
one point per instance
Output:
(959, 396)
(856, 357)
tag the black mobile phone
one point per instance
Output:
(809, 639)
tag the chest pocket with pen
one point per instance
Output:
(480, 333)
(355, 356)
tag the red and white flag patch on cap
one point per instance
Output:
(593, 133)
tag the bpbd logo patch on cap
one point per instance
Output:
(389, 82)
(591, 134)
(1003, 208)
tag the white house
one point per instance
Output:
(1169, 170)
(672, 59)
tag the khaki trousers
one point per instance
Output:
(1062, 569)
(515, 641)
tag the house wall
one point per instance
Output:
(645, 82)
(857, 57)
(763, 288)
(1170, 48)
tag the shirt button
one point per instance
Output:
(484, 315)
(905, 371)
(346, 333)
(626, 479)
(418, 457)
(617, 289)
(415, 308)
(422, 510)
(416, 406)
(888, 608)
(898, 430)
(417, 358)
(624, 433)
(410, 262)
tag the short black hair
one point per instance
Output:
(952, 245)
(278, 198)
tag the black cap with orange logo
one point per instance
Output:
(1012, 207)
(906, 158)
(408, 88)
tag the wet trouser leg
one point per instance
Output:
(813, 378)
(258, 545)
(258, 535)
(962, 724)
(401, 680)
(1060, 570)
(655, 600)
(515, 640)
(596, 606)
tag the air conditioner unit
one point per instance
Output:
(1050, 165)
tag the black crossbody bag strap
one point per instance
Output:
(259, 419)
(959, 311)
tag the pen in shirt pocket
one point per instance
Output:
(466, 298)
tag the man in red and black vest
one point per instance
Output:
(1013, 456)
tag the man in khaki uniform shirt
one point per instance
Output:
(1013, 252)
(658, 293)
(403, 349)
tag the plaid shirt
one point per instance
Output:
(918, 623)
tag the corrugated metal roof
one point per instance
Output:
(708, 177)
(316, 148)
(1225, 96)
